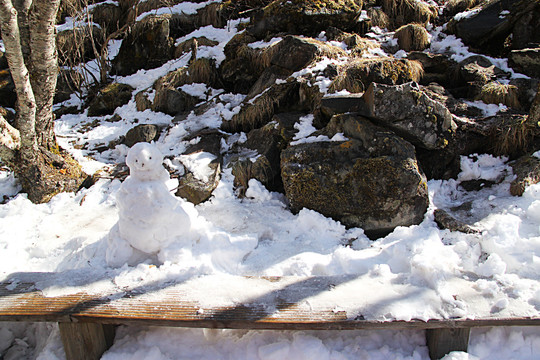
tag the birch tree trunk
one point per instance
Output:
(28, 33)
(26, 103)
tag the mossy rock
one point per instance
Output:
(409, 111)
(142, 133)
(295, 53)
(243, 65)
(370, 181)
(148, 45)
(109, 98)
(268, 143)
(306, 17)
(527, 171)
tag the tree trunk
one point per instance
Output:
(44, 62)
(31, 49)
(26, 103)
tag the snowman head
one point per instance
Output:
(145, 161)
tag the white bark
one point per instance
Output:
(44, 65)
(19, 72)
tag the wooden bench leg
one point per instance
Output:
(443, 341)
(86, 341)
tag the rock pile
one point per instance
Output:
(392, 95)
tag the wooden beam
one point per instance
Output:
(86, 341)
(281, 305)
(443, 341)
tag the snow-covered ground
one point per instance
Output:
(420, 272)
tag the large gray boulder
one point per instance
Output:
(142, 133)
(499, 23)
(371, 181)
(410, 112)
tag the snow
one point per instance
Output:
(150, 218)
(416, 272)
(264, 44)
(487, 109)
(222, 36)
(187, 8)
(467, 14)
(9, 186)
(198, 164)
(449, 44)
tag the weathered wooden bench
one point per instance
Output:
(87, 321)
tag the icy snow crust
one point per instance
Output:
(418, 272)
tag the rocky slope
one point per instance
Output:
(347, 107)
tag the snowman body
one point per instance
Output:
(150, 217)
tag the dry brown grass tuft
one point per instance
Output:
(512, 137)
(202, 70)
(378, 17)
(403, 12)
(412, 37)
(356, 75)
(497, 93)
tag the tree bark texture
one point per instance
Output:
(44, 62)
(26, 102)
(28, 32)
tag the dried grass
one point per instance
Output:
(378, 17)
(402, 12)
(512, 137)
(497, 93)
(412, 37)
(358, 74)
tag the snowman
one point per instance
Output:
(150, 218)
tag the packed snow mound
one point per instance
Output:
(150, 217)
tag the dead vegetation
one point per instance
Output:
(497, 93)
(412, 37)
(378, 17)
(259, 111)
(512, 137)
(404, 12)
(356, 75)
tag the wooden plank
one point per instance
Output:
(86, 341)
(281, 307)
(443, 341)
